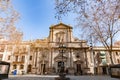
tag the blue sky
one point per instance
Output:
(36, 16)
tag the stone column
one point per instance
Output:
(50, 64)
(71, 58)
(27, 58)
(35, 59)
(51, 57)
(71, 68)
(34, 62)
(86, 58)
(38, 61)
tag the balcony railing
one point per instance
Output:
(18, 62)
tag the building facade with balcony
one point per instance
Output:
(42, 56)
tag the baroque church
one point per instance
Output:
(44, 56)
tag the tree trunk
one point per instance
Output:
(111, 59)
(110, 51)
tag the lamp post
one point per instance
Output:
(61, 51)
(62, 75)
(4, 70)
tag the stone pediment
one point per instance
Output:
(45, 61)
(60, 26)
(78, 61)
(60, 58)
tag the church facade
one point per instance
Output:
(44, 56)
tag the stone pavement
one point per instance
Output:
(51, 77)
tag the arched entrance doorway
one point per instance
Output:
(60, 61)
(60, 64)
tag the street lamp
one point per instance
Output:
(61, 51)
(4, 70)
(62, 75)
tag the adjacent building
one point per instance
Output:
(43, 56)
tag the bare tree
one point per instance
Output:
(8, 18)
(97, 18)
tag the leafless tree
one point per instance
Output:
(8, 18)
(97, 18)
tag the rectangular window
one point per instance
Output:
(117, 53)
(21, 66)
(23, 58)
(16, 58)
(30, 57)
(118, 61)
(15, 66)
(8, 57)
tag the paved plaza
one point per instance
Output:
(49, 77)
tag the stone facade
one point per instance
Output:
(43, 56)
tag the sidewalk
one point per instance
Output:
(33, 75)
(51, 77)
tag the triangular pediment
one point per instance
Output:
(60, 26)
